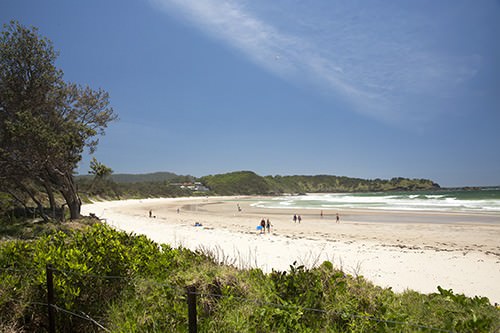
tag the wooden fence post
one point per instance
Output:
(191, 301)
(50, 299)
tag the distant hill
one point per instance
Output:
(167, 184)
(123, 178)
(239, 182)
(248, 182)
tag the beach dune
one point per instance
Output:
(401, 250)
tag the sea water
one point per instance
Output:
(483, 200)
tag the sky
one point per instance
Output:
(367, 89)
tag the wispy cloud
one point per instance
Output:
(231, 22)
(379, 61)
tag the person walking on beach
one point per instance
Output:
(299, 218)
(268, 226)
(338, 218)
(150, 213)
(294, 218)
(263, 226)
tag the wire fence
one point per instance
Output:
(191, 294)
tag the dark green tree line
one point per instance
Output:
(247, 182)
(45, 122)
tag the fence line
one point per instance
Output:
(58, 308)
(84, 316)
(92, 275)
(191, 290)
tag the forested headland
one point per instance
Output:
(248, 182)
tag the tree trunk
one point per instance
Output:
(63, 214)
(73, 202)
(52, 200)
(71, 196)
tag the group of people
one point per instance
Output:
(265, 225)
(297, 218)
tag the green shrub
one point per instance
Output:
(128, 283)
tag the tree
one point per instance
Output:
(101, 172)
(45, 122)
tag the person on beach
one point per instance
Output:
(338, 218)
(268, 226)
(150, 213)
(321, 214)
(263, 226)
(294, 218)
(299, 218)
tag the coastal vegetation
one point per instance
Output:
(45, 122)
(106, 280)
(247, 182)
(165, 184)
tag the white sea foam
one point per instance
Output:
(381, 201)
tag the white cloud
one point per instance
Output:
(374, 62)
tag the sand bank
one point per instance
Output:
(402, 250)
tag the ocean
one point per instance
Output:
(483, 200)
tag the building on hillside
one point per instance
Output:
(196, 186)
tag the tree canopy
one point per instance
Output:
(45, 122)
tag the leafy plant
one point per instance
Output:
(127, 283)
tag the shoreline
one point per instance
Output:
(463, 256)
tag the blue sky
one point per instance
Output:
(369, 89)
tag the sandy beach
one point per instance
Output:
(401, 250)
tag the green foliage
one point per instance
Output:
(6, 203)
(155, 177)
(331, 184)
(110, 190)
(128, 283)
(247, 182)
(45, 122)
(240, 182)
(99, 170)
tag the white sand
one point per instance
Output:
(463, 255)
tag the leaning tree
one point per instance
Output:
(45, 122)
